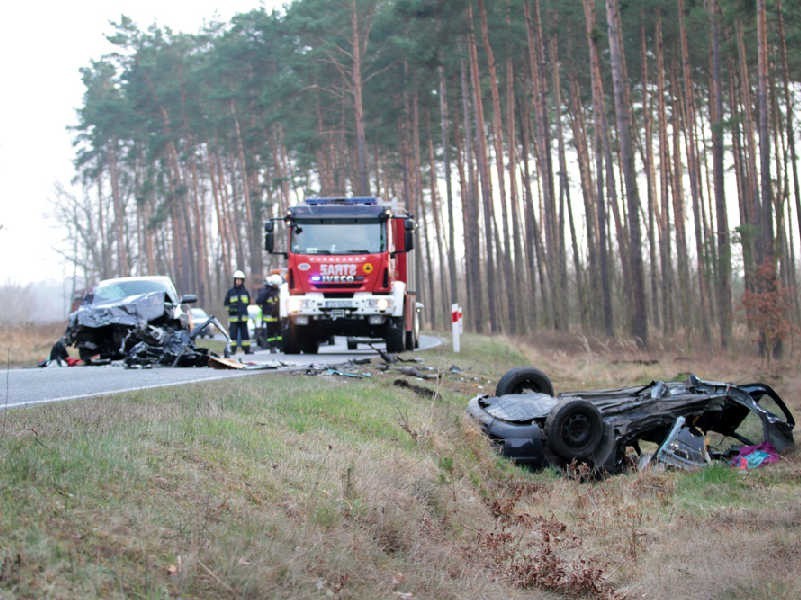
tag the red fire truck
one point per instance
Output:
(350, 272)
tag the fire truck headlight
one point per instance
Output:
(382, 304)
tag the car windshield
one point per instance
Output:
(338, 238)
(117, 290)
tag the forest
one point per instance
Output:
(621, 168)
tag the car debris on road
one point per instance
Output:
(691, 422)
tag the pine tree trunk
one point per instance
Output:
(639, 319)
(602, 150)
(723, 291)
(484, 178)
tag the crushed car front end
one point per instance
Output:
(122, 312)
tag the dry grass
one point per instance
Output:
(25, 344)
(308, 487)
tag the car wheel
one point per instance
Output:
(524, 379)
(574, 429)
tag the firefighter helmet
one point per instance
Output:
(274, 280)
(238, 274)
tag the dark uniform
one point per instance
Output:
(237, 300)
(269, 300)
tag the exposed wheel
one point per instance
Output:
(574, 429)
(289, 338)
(395, 335)
(524, 379)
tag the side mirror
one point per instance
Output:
(408, 239)
(188, 298)
(268, 236)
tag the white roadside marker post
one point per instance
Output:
(456, 326)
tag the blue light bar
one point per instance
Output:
(351, 201)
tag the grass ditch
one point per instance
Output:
(289, 486)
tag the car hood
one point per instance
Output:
(133, 311)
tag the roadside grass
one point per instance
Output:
(25, 344)
(292, 486)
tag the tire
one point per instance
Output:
(289, 338)
(413, 336)
(310, 345)
(395, 335)
(574, 429)
(524, 379)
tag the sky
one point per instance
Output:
(43, 46)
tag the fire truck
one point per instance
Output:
(349, 272)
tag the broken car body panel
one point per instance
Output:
(596, 427)
(120, 313)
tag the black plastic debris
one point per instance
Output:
(420, 390)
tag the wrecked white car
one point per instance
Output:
(138, 319)
(688, 423)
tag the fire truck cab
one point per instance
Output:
(350, 271)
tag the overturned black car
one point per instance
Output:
(690, 422)
(138, 319)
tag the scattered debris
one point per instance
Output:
(59, 357)
(751, 457)
(219, 362)
(415, 372)
(392, 358)
(418, 389)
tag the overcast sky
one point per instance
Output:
(43, 45)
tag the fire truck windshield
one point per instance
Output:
(338, 238)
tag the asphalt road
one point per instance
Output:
(26, 387)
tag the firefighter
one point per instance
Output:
(269, 301)
(237, 300)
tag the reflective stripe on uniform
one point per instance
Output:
(244, 299)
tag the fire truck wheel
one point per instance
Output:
(289, 339)
(310, 345)
(413, 336)
(395, 335)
